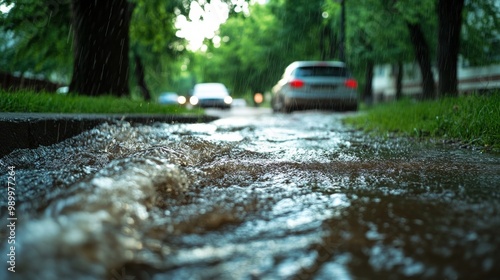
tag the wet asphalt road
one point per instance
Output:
(253, 195)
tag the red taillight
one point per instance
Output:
(296, 83)
(351, 83)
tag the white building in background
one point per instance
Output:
(470, 79)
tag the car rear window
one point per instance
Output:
(321, 71)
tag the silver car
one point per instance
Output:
(315, 85)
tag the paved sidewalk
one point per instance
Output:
(30, 130)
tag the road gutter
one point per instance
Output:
(31, 130)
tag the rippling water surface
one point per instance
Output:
(256, 197)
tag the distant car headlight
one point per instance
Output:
(181, 100)
(228, 100)
(193, 100)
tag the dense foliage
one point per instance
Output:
(37, 39)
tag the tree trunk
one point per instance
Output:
(139, 75)
(342, 56)
(333, 44)
(449, 25)
(322, 42)
(399, 80)
(101, 64)
(368, 91)
(422, 54)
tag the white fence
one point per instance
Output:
(470, 79)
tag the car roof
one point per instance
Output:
(210, 85)
(317, 63)
(296, 64)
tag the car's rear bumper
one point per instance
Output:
(293, 103)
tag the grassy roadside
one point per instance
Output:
(472, 120)
(29, 102)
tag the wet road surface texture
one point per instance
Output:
(265, 196)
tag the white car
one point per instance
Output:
(211, 95)
(315, 85)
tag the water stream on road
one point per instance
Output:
(296, 196)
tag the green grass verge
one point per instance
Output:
(29, 102)
(471, 119)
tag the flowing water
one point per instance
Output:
(295, 196)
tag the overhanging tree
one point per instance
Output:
(34, 39)
(101, 52)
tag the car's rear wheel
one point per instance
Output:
(279, 105)
(353, 107)
(286, 110)
(283, 108)
(274, 105)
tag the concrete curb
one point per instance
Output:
(30, 130)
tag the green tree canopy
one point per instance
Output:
(37, 39)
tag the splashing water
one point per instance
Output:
(297, 196)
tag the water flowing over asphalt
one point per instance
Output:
(297, 196)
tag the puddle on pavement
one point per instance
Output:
(272, 197)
